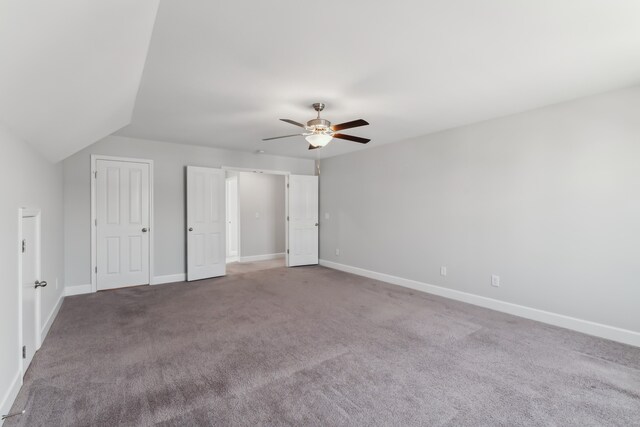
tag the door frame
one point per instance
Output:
(237, 218)
(286, 203)
(94, 214)
(27, 213)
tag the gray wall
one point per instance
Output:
(548, 199)
(26, 180)
(261, 194)
(169, 163)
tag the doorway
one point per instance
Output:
(260, 216)
(30, 285)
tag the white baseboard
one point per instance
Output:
(585, 326)
(10, 394)
(261, 257)
(77, 290)
(169, 278)
(52, 316)
(233, 259)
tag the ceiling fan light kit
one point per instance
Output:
(318, 139)
(319, 131)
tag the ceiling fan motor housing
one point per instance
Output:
(320, 125)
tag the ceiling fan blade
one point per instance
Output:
(293, 123)
(311, 147)
(278, 137)
(351, 138)
(349, 125)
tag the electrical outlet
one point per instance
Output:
(326, 215)
(337, 252)
(257, 215)
(495, 280)
(443, 270)
(56, 283)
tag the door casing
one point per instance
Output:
(236, 219)
(94, 234)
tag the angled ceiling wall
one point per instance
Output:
(70, 70)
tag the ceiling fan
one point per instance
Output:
(319, 132)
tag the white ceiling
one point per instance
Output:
(221, 73)
(70, 70)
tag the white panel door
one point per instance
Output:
(123, 212)
(303, 220)
(206, 254)
(232, 217)
(30, 255)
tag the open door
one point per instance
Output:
(302, 226)
(206, 251)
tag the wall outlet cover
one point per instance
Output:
(443, 270)
(495, 280)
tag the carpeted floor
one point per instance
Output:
(250, 267)
(314, 346)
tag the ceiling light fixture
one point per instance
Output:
(318, 139)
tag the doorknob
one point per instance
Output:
(40, 284)
(190, 228)
(144, 230)
(316, 224)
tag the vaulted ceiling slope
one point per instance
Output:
(70, 70)
(222, 73)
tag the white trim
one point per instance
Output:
(78, 290)
(169, 278)
(585, 326)
(237, 219)
(52, 316)
(286, 223)
(265, 257)
(267, 171)
(94, 259)
(19, 242)
(233, 259)
(11, 394)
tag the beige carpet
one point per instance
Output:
(313, 346)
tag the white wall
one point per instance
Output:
(26, 180)
(71, 71)
(548, 199)
(169, 183)
(264, 195)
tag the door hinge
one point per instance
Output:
(95, 174)
(24, 351)
(96, 269)
(287, 250)
(287, 185)
(95, 221)
(287, 217)
(24, 245)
